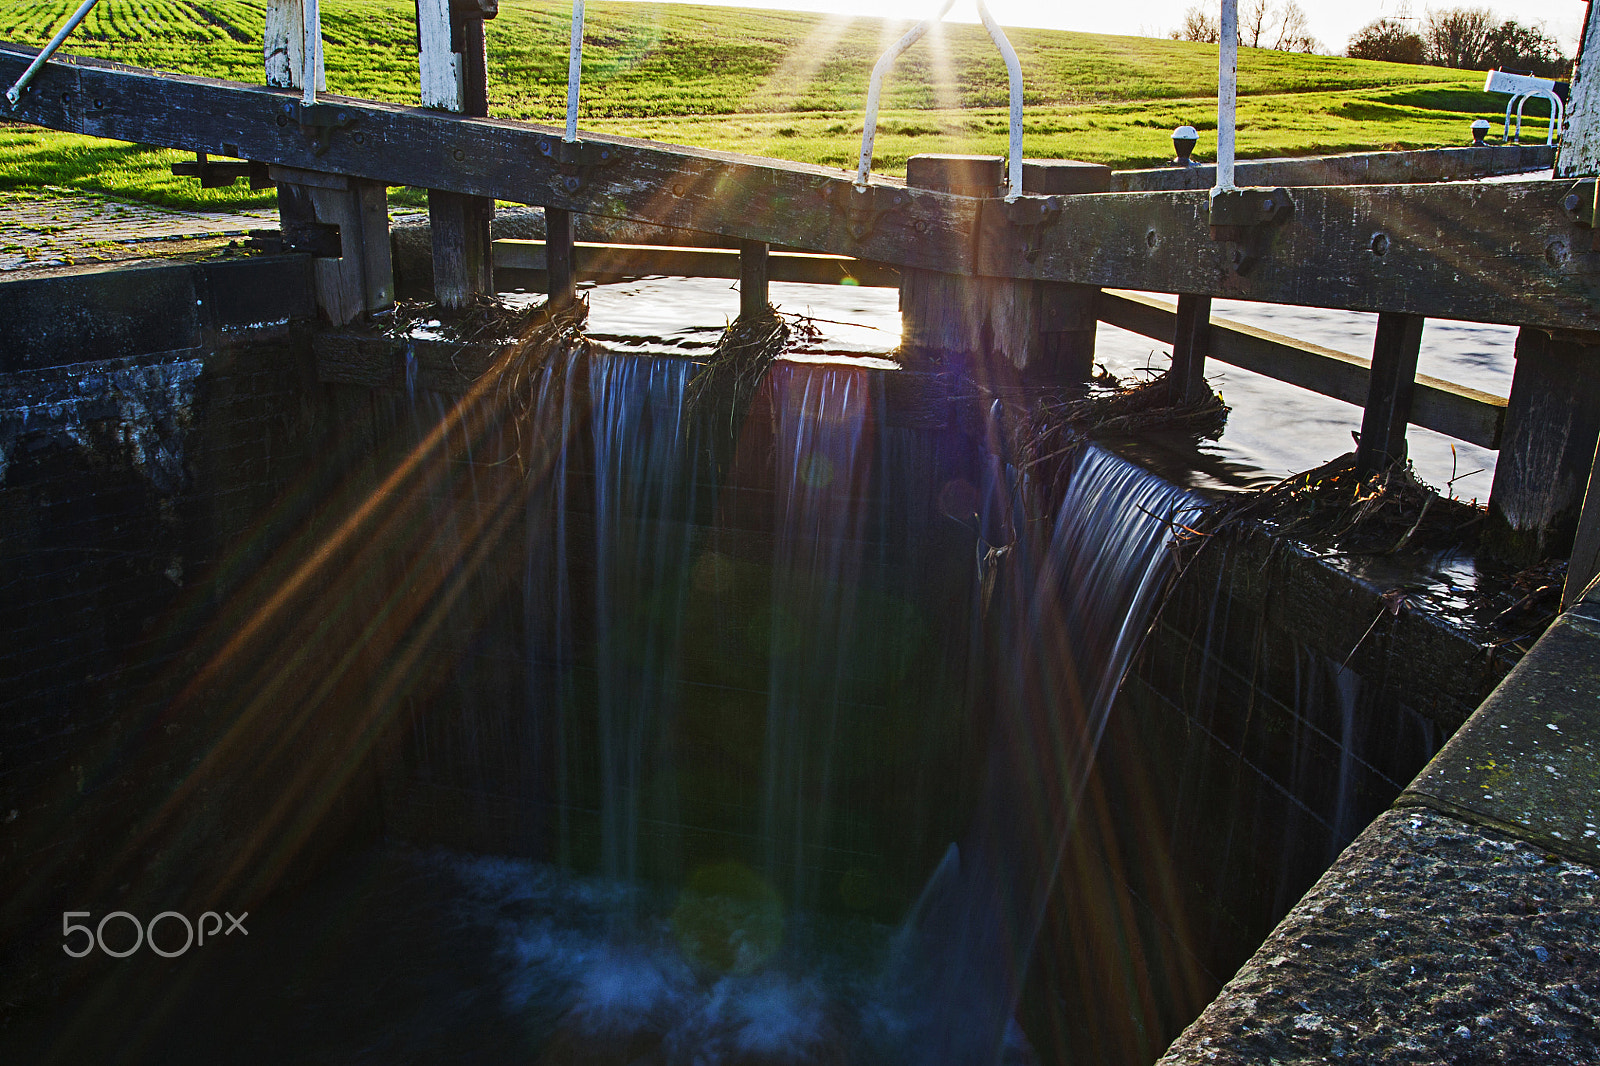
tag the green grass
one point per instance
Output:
(783, 84)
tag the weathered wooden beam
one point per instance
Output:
(559, 265)
(1067, 313)
(1191, 343)
(1584, 566)
(1580, 141)
(753, 277)
(1504, 252)
(947, 319)
(1391, 383)
(353, 271)
(609, 262)
(1357, 168)
(284, 46)
(1454, 410)
(1552, 428)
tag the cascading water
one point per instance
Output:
(742, 697)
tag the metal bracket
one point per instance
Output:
(863, 208)
(1580, 202)
(577, 160)
(1250, 218)
(1033, 215)
(318, 121)
(1235, 212)
(215, 175)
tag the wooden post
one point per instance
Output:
(285, 46)
(944, 317)
(753, 297)
(559, 267)
(354, 274)
(453, 61)
(1547, 451)
(343, 221)
(1584, 566)
(1389, 389)
(1068, 316)
(1191, 344)
(1579, 155)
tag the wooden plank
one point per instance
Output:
(1191, 343)
(1584, 566)
(1486, 253)
(559, 264)
(1390, 386)
(607, 262)
(439, 66)
(1356, 168)
(284, 46)
(1552, 428)
(1443, 406)
(753, 276)
(1580, 141)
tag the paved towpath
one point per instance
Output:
(65, 227)
(48, 227)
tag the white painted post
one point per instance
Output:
(441, 68)
(284, 46)
(574, 71)
(1580, 143)
(1227, 93)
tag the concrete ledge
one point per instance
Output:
(1429, 941)
(1528, 762)
(1356, 168)
(118, 313)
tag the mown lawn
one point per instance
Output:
(783, 84)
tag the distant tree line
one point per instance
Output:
(1262, 24)
(1469, 38)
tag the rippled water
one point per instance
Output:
(1275, 429)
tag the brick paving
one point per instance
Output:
(54, 227)
(58, 226)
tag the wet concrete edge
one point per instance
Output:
(1464, 924)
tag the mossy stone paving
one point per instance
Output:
(51, 227)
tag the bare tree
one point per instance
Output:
(1255, 18)
(1460, 37)
(1198, 25)
(1294, 29)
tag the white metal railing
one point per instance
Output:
(869, 129)
(14, 94)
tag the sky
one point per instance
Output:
(1332, 21)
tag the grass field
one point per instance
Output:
(783, 84)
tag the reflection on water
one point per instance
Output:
(1276, 429)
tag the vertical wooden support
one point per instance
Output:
(559, 267)
(1191, 345)
(453, 61)
(1547, 451)
(1584, 566)
(1389, 389)
(344, 223)
(945, 318)
(1068, 314)
(753, 296)
(285, 46)
(1579, 155)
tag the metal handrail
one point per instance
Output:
(869, 129)
(1558, 114)
(14, 94)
